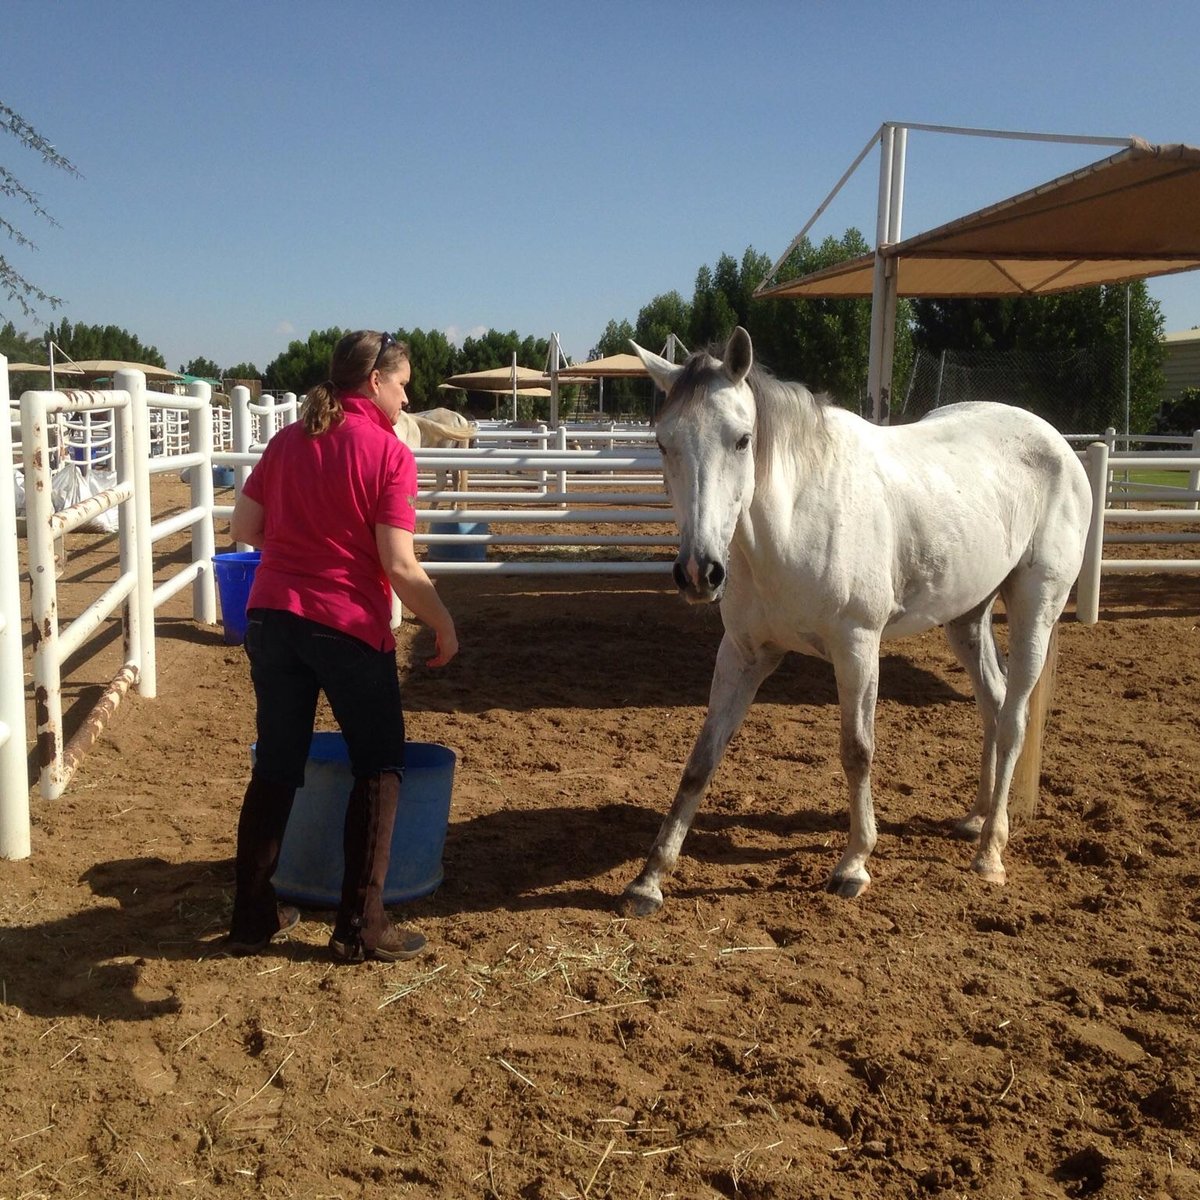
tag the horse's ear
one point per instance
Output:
(663, 373)
(739, 355)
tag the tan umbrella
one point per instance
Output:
(524, 389)
(106, 366)
(498, 379)
(64, 368)
(615, 366)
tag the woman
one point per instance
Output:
(332, 505)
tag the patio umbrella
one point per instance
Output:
(498, 379)
(107, 366)
(65, 368)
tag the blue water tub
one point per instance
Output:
(464, 551)
(310, 861)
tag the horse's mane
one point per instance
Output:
(790, 420)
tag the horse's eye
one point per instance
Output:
(743, 442)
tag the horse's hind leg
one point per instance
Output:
(974, 645)
(735, 682)
(1033, 602)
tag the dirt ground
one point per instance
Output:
(758, 1038)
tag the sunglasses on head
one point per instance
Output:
(386, 340)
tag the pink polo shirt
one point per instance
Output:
(323, 497)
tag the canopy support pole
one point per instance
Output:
(893, 145)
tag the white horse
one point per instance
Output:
(820, 532)
(436, 428)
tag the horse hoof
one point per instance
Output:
(968, 828)
(989, 874)
(847, 889)
(638, 904)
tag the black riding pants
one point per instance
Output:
(293, 660)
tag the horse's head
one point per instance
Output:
(705, 433)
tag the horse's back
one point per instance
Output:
(945, 510)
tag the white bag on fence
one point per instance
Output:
(69, 485)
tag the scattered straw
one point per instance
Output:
(262, 1089)
(199, 1032)
(595, 1008)
(410, 985)
(523, 1078)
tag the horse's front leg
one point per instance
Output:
(736, 679)
(856, 666)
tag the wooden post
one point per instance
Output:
(1023, 795)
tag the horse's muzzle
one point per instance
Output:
(704, 586)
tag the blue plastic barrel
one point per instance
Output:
(463, 551)
(310, 861)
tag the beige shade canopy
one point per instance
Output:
(106, 366)
(615, 366)
(59, 368)
(1129, 216)
(498, 379)
(523, 388)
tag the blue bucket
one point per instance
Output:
(463, 552)
(310, 860)
(235, 574)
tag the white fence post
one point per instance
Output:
(200, 441)
(141, 600)
(1194, 475)
(14, 782)
(1087, 592)
(243, 432)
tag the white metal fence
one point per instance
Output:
(572, 480)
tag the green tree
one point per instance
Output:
(495, 349)
(712, 316)
(242, 371)
(666, 314)
(82, 342)
(1181, 415)
(22, 347)
(304, 363)
(12, 282)
(614, 340)
(1075, 349)
(823, 343)
(433, 359)
(205, 368)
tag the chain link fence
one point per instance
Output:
(1077, 391)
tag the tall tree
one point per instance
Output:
(82, 342)
(12, 282)
(1068, 351)
(304, 363)
(204, 368)
(614, 340)
(666, 314)
(433, 358)
(242, 371)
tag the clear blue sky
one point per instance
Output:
(252, 171)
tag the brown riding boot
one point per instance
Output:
(257, 919)
(362, 929)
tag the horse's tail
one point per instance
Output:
(1023, 794)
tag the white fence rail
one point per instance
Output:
(130, 406)
(1101, 467)
(570, 480)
